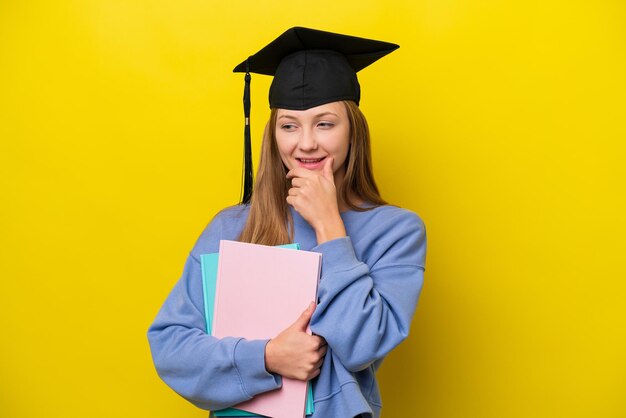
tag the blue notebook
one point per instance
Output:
(209, 280)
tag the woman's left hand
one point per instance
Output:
(314, 196)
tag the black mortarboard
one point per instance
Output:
(310, 68)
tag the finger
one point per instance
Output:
(298, 182)
(293, 192)
(322, 351)
(301, 172)
(327, 170)
(320, 341)
(303, 320)
(314, 374)
(318, 363)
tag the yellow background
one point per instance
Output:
(501, 123)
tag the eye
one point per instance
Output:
(325, 125)
(289, 127)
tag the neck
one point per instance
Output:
(343, 206)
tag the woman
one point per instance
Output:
(315, 187)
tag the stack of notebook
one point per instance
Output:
(255, 292)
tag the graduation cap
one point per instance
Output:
(310, 68)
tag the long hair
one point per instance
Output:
(270, 221)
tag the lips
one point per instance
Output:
(310, 160)
(311, 163)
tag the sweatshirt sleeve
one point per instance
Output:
(364, 311)
(209, 372)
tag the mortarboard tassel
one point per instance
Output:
(247, 170)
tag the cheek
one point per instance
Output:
(284, 149)
(343, 146)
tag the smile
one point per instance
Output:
(310, 160)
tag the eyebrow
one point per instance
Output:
(316, 116)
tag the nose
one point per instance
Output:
(308, 141)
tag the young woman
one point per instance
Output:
(315, 187)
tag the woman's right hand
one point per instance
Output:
(294, 353)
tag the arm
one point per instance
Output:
(365, 311)
(209, 372)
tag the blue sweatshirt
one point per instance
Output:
(368, 291)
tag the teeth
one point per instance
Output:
(310, 161)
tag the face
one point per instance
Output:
(306, 138)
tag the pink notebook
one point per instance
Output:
(260, 291)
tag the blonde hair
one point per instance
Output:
(270, 221)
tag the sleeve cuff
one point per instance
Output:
(249, 358)
(337, 255)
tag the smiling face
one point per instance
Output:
(305, 138)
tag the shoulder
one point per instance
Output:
(226, 224)
(391, 218)
(397, 213)
(235, 213)
(388, 233)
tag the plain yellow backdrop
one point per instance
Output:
(502, 123)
